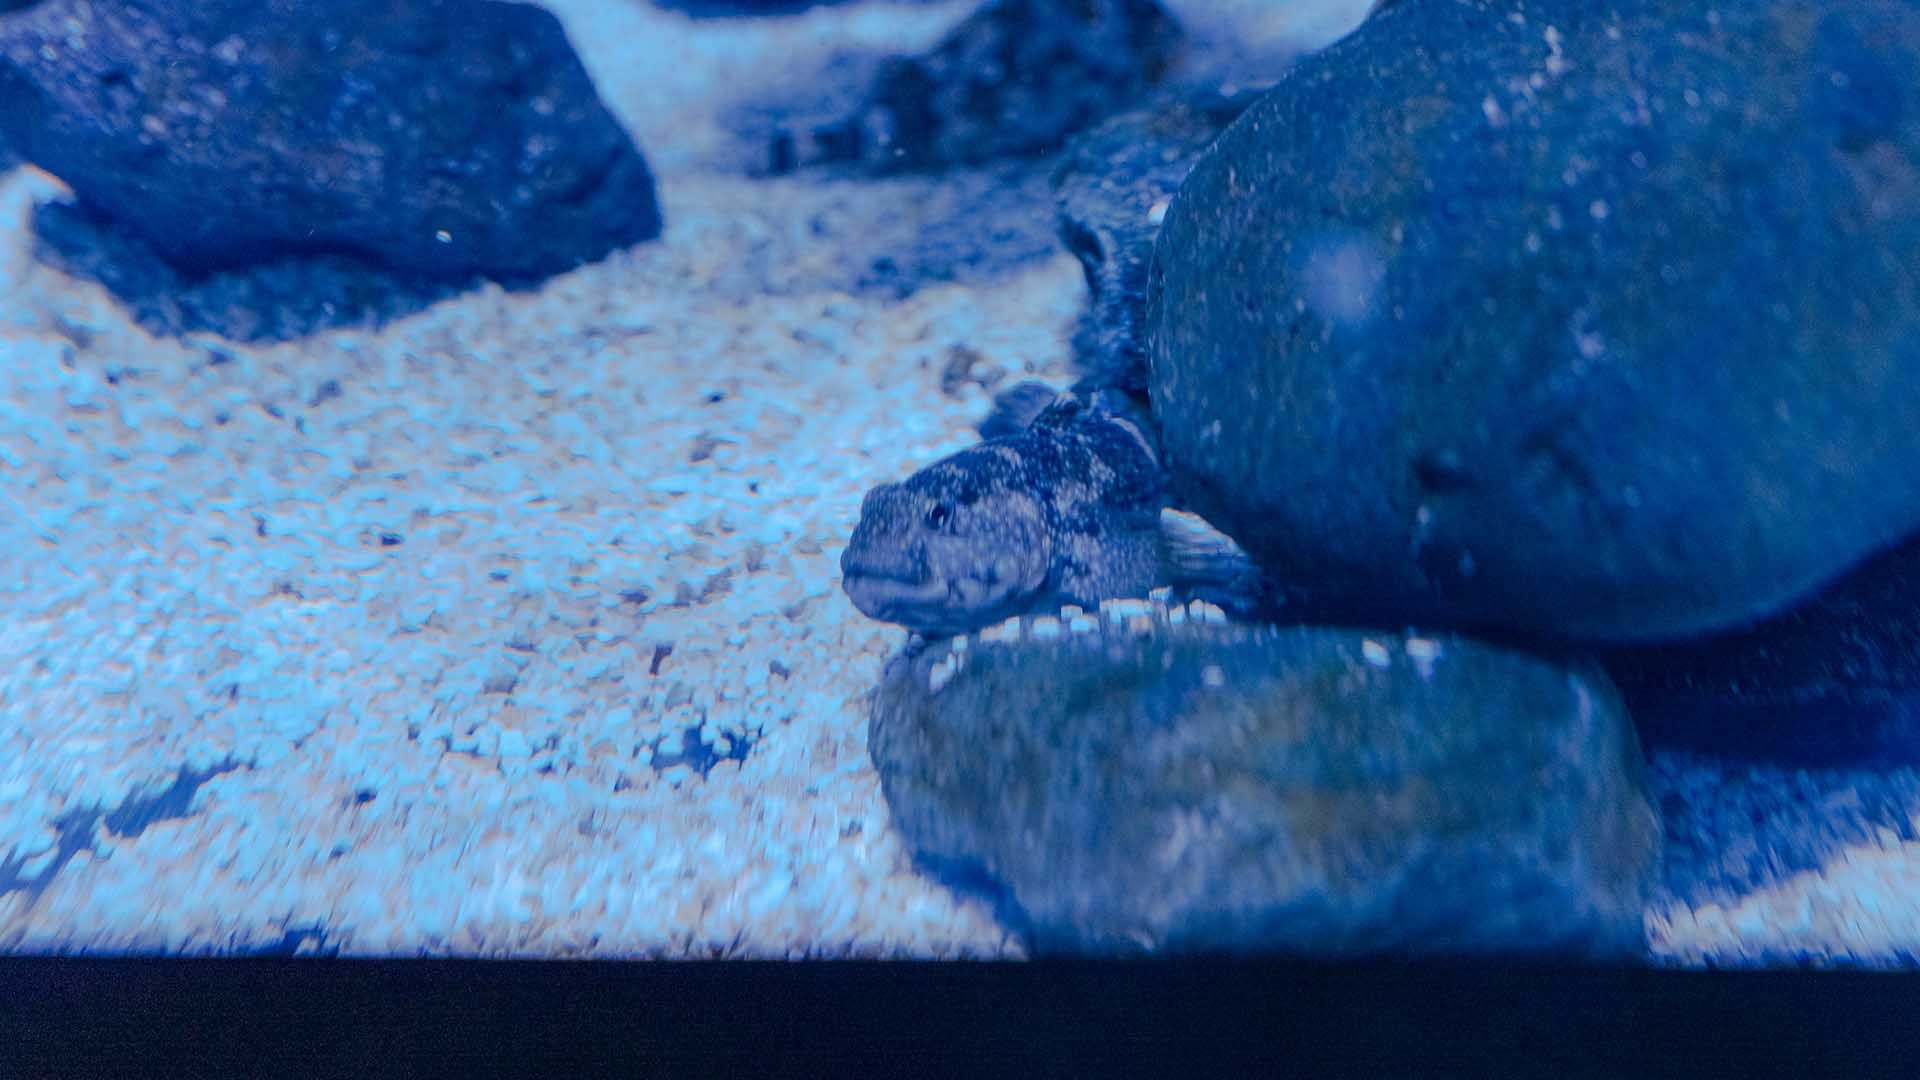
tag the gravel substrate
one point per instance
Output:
(514, 627)
(1768, 864)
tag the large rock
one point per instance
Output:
(277, 300)
(1599, 321)
(1015, 77)
(1144, 783)
(1111, 189)
(441, 137)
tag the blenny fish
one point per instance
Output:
(1067, 511)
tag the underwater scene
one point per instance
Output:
(939, 479)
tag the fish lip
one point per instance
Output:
(905, 571)
(915, 577)
(932, 608)
(886, 596)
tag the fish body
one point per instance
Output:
(1065, 512)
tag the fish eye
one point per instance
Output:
(939, 515)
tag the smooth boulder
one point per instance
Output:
(1111, 190)
(1145, 780)
(445, 138)
(1587, 322)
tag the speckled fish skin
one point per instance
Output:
(1066, 512)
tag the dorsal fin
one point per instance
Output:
(1063, 412)
(1016, 408)
(1129, 412)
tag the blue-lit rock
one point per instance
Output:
(737, 8)
(446, 138)
(1110, 191)
(1589, 321)
(1015, 77)
(1144, 784)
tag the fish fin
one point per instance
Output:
(1202, 563)
(1016, 408)
(1132, 414)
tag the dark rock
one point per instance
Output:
(442, 137)
(731, 8)
(1111, 189)
(781, 124)
(279, 300)
(1140, 784)
(707, 9)
(1835, 680)
(895, 236)
(1594, 321)
(1016, 77)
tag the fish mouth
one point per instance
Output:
(893, 560)
(892, 585)
(929, 607)
(894, 599)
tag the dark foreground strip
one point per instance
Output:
(1189, 1018)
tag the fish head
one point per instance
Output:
(952, 549)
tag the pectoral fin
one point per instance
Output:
(1202, 563)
